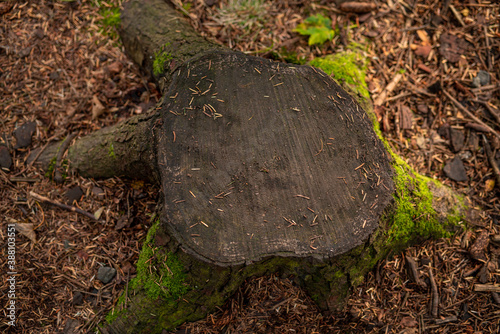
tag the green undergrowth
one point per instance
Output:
(160, 58)
(318, 28)
(110, 20)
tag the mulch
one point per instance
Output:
(62, 74)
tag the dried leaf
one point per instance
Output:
(489, 185)
(98, 213)
(26, 229)
(409, 322)
(97, 107)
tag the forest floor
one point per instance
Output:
(63, 70)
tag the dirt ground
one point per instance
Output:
(64, 71)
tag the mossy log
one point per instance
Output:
(264, 167)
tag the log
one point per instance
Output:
(264, 168)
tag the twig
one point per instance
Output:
(63, 206)
(468, 113)
(486, 287)
(491, 159)
(64, 146)
(457, 15)
(435, 295)
(388, 89)
(493, 113)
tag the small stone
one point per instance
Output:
(98, 192)
(25, 52)
(422, 108)
(455, 170)
(457, 138)
(23, 134)
(78, 298)
(483, 78)
(73, 194)
(54, 75)
(38, 33)
(71, 327)
(5, 158)
(106, 274)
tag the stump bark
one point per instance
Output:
(264, 167)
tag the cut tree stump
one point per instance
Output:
(264, 167)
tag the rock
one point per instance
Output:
(106, 274)
(455, 170)
(71, 327)
(483, 78)
(5, 158)
(54, 75)
(23, 134)
(73, 194)
(78, 298)
(457, 138)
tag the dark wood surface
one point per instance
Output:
(260, 158)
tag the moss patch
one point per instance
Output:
(161, 57)
(160, 273)
(348, 68)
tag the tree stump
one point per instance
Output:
(264, 167)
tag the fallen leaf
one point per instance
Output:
(408, 322)
(26, 229)
(489, 185)
(98, 213)
(97, 107)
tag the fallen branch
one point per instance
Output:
(468, 113)
(63, 206)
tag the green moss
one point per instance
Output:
(110, 19)
(160, 273)
(347, 68)
(51, 168)
(161, 57)
(111, 151)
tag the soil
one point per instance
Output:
(63, 72)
